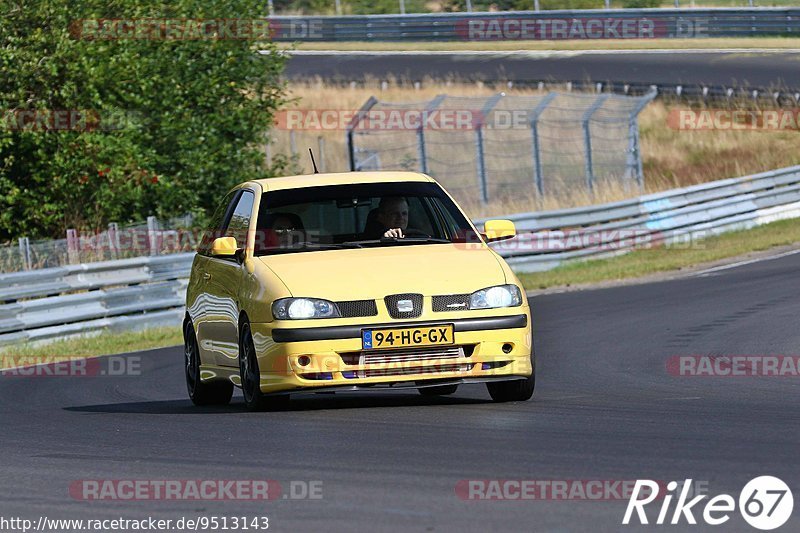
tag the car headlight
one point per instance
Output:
(498, 296)
(299, 308)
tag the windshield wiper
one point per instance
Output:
(309, 246)
(390, 241)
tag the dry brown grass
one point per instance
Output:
(671, 158)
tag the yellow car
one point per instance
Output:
(352, 281)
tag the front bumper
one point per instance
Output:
(333, 355)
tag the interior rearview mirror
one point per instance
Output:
(498, 230)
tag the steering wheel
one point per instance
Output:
(412, 232)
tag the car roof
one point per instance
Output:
(339, 178)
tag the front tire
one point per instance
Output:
(200, 392)
(518, 390)
(254, 399)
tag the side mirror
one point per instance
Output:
(224, 247)
(499, 230)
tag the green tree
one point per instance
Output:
(192, 114)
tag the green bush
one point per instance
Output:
(196, 115)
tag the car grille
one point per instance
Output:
(406, 371)
(356, 308)
(451, 302)
(371, 357)
(368, 357)
(391, 305)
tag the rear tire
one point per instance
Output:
(254, 399)
(200, 392)
(442, 390)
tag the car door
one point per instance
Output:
(223, 280)
(200, 304)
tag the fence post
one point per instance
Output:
(113, 239)
(338, 7)
(536, 6)
(483, 182)
(484, 186)
(587, 140)
(292, 142)
(538, 179)
(402, 7)
(152, 234)
(422, 155)
(634, 162)
(25, 252)
(72, 247)
(469, 6)
(351, 150)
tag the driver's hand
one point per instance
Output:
(395, 232)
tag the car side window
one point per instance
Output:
(217, 223)
(239, 224)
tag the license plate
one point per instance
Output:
(372, 339)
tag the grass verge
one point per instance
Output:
(662, 259)
(606, 44)
(106, 343)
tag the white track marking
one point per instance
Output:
(709, 271)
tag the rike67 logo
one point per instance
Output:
(765, 503)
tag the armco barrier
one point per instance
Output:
(123, 294)
(675, 216)
(550, 25)
(149, 291)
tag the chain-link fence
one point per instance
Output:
(154, 237)
(502, 146)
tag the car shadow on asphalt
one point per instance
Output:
(317, 402)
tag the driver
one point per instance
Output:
(393, 215)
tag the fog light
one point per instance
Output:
(507, 347)
(304, 360)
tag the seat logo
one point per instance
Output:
(405, 306)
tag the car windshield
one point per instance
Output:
(356, 216)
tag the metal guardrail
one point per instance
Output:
(676, 217)
(149, 291)
(561, 24)
(79, 299)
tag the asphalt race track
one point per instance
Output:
(605, 409)
(723, 68)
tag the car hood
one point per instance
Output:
(372, 273)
